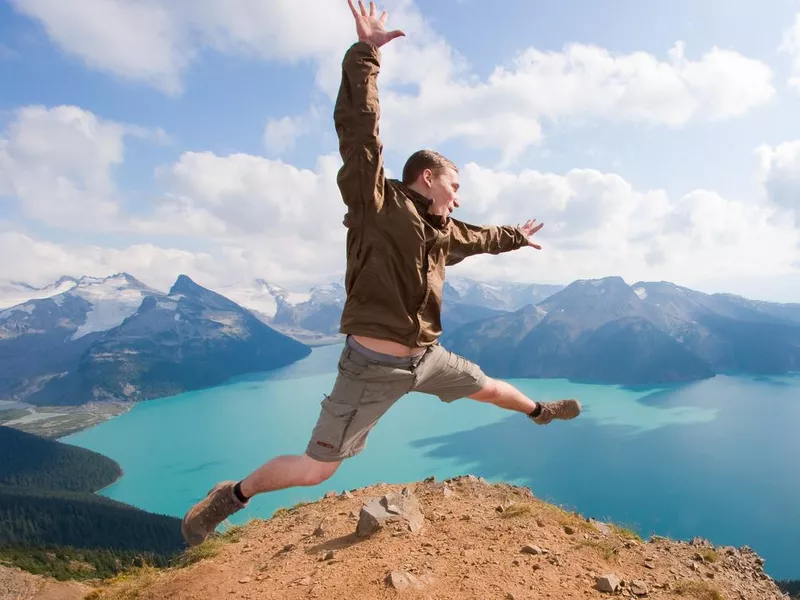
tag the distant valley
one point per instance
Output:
(96, 341)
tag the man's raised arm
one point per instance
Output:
(357, 113)
(467, 240)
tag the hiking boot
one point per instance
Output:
(203, 517)
(560, 409)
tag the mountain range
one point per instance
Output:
(117, 339)
(607, 331)
(89, 339)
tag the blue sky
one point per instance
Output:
(135, 136)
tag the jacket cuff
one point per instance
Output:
(361, 49)
(520, 239)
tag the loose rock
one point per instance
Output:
(639, 587)
(607, 583)
(402, 507)
(531, 549)
(401, 580)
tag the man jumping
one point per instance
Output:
(400, 237)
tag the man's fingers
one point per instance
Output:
(353, 8)
(383, 18)
(372, 9)
(361, 7)
(395, 34)
(532, 245)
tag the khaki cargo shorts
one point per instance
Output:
(368, 385)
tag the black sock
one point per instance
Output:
(536, 411)
(237, 491)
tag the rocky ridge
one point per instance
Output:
(455, 539)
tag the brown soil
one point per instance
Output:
(16, 584)
(470, 546)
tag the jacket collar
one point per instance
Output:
(423, 204)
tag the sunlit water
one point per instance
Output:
(718, 458)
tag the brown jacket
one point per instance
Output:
(396, 251)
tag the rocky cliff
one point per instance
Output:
(457, 539)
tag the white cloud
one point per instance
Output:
(252, 195)
(57, 162)
(274, 219)
(780, 176)
(791, 45)
(39, 262)
(281, 134)
(507, 110)
(138, 40)
(154, 41)
(253, 217)
(246, 216)
(597, 224)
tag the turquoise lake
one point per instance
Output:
(717, 458)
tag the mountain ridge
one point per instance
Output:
(606, 331)
(658, 332)
(143, 343)
(459, 538)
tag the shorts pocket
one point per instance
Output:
(331, 428)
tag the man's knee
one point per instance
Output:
(318, 471)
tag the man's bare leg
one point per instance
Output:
(505, 395)
(228, 497)
(285, 472)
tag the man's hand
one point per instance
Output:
(529, 228)
(370, 27)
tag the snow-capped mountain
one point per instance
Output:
(504, 296)
(261, 297)
(15, 292)
(311, 316)
(115, 338)
(85, 305)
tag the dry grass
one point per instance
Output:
(130, 585)
(700, 590)
(626, 533)
(605, 548)
(708, 555)
(283, 511)
(211, 546)
(571, 520)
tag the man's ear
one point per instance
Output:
(427, 176)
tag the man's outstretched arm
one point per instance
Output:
(357, 113)
(467, 240)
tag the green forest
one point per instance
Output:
(32, 462)
(54, 523)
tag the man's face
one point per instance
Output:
(443, 191)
